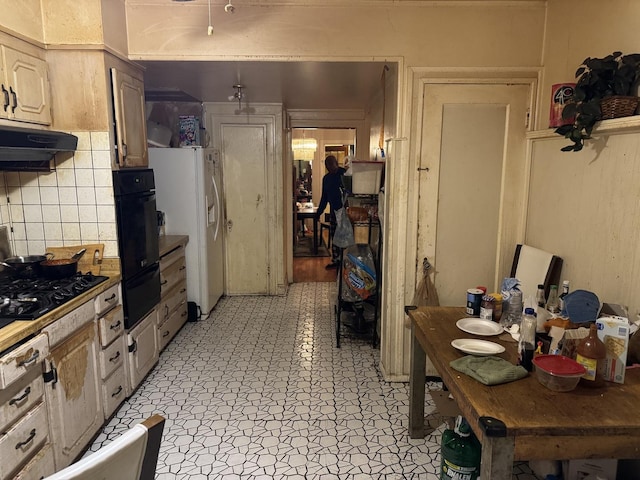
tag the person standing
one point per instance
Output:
(332, 194)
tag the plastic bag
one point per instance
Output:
(343, 236)
(359, 279)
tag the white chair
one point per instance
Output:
(533, 267)
(131, 456)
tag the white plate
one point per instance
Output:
(479, 326)
(473, 346)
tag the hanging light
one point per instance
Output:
(239, 94)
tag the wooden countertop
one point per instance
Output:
(169, 242)
(21, 329)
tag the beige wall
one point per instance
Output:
(430, 34)
(584, 206)
(577, 29)
(26, 20)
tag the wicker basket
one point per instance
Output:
(618, 106)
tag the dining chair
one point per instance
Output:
(131, 456)
(325, 224)
(532, 267)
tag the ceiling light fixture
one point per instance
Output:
(210, 27)
(229, 8)
(238, 95)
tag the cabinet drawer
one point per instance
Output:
(111, 326)
(172, 275)
(114, 392)
(107, 300)
(169, 328)
(70, 323)
(23, 439)
(17, 362)
(20, 397)
(39, 467)
(172, 300)
(112, 357)
(173, 256)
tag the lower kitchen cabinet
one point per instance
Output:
(40, 466)
(143, 348)
(73, 385)
(172, 311)
(24, 424)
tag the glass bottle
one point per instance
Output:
(565, 291)
(527, 342)
(553, 304)
(540, 300)
(591, 354)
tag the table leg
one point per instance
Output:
(417, 374)
(315, 236)
(497, 458)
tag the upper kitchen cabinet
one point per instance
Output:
(130, 120)
(25, 87)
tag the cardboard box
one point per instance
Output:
(366, 177)
(189, 131)
(614, 333)
(590, 469)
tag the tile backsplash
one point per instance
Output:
(70, 205)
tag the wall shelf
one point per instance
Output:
(605, 127)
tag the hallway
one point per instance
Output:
(259, 391)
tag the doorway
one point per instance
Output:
(311, 242)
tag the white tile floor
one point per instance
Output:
(259, 391)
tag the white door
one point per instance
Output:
(244, 163)
(472, 164)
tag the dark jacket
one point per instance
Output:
(331, 191)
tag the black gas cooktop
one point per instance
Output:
(28, 299)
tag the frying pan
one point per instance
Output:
(24, 267)
(61, 268)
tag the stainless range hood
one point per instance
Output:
(32, 149)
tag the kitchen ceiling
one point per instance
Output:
(297, 85)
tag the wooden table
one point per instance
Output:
(522, 420)
(310, 213)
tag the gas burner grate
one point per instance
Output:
(28, 299)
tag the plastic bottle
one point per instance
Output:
(591, 354)
(461, 453)
(527, 342)
(565, 292)
(553, 304)
(513, 313)
(540, 300)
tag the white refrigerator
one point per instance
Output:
(188, 192)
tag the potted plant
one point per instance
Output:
(604, 89)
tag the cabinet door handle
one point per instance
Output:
(164, 282)
(183, 267)
(117, 392)
(165, 334)
(111, 298)
(32, 435)
(26, 393)
(15, 99)
(184, 314)
(115, 325)
(166, 311)
(7, 102)
(115, 357)
(32, 359)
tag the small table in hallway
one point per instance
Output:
(305, 213)
(521, 420)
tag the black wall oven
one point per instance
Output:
(134, 192)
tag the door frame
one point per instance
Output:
(401, 261)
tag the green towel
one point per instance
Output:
(489, 370)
